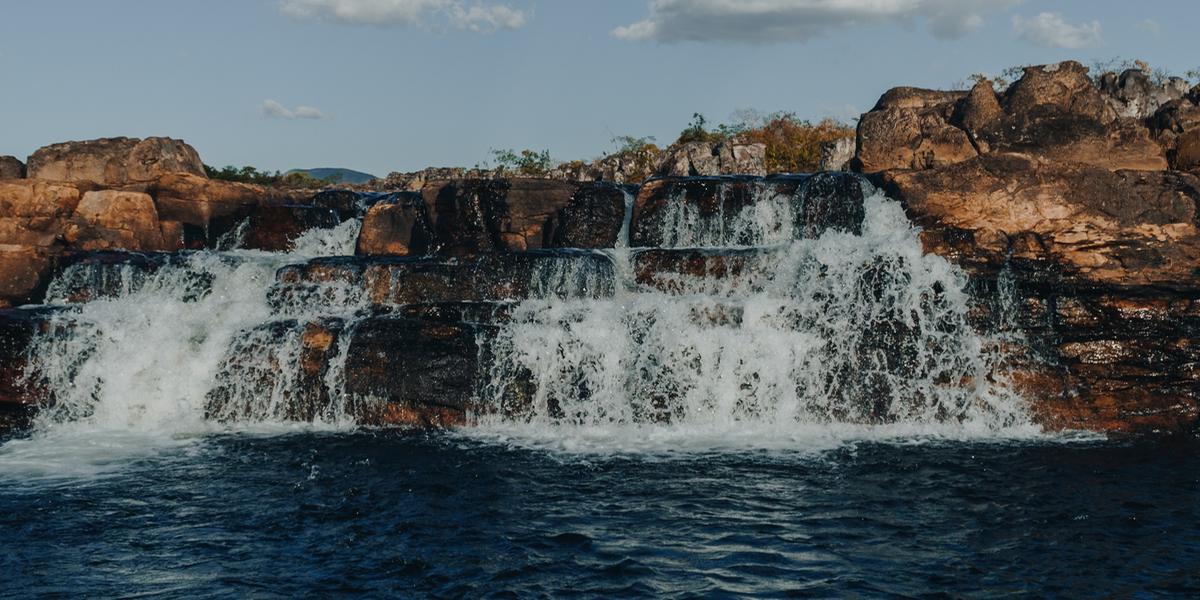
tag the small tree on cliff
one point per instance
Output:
(526, 162)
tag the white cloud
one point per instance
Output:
(1149, 26)
(786, 20)
(477, 16)
(1050, 30)
(274, 110)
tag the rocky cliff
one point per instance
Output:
(1083, 198)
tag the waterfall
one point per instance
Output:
(785, 308)
(755, 334)
(149, 345)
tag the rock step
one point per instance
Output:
(426, 280)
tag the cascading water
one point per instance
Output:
(145, 354)
(772, 340)
(728, 329)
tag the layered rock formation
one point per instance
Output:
(1071, 207)
(129, 194)
(1061, 194)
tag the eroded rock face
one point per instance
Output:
(1133, 95)
(11, 168)
(19, 395)
(1123, 227)
(196, 200)
(493, 277)
(711, 159)
(1100, 271)
(113, 219)
(1053, 111)
(909, 129)
(115, 161)
(468, 216)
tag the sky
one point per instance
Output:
(398, 85)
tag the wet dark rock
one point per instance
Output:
(255, 383)
(819, 202)
(677, 271)
(501, 215)
(19, 395)
(86, 276)
(484, 278)
(592, 218)
(413, 371)
(829, 202)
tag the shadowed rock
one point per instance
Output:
(11, 168)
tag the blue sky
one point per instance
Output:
(382, 85)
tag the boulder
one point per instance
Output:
(112, 219)
(837, 154)
(11, 168)
(468, 216)
(978, 111)
(34, 212)
(1176, 126)
(1132, 94)
(396, 227)
(714, 158)
(24, 273)
(115, 161)
(909, 128)
(276, 228)
(195, 200)
(1065, 86)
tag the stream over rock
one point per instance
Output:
(767, 303)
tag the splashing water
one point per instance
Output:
(132, 367)
(858, 336)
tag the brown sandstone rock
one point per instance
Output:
(909, 129)
(113, 219)
(396, 228)
(23, 271)
(34, 212)
(1065, 85)
(115, 161)
(11, 168)
(1125, 227)
(196, 200)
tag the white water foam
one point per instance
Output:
(813, 343)
(130, 372)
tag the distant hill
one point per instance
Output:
(343, 175)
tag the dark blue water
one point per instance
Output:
(318, 515)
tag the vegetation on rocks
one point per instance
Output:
(250, 174)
